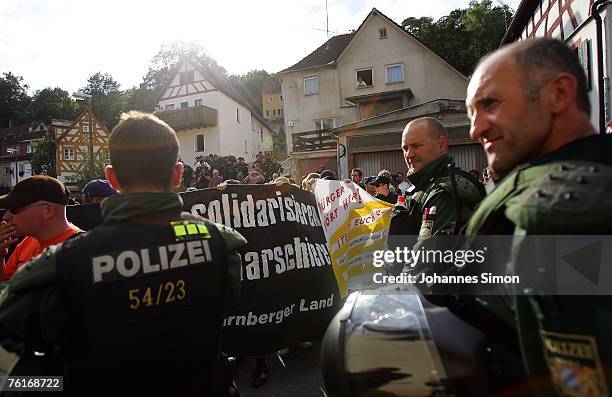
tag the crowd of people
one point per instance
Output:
(212, 170)
(79, 303)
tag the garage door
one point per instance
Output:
(372, 163)
(467, 157)
(306, 166)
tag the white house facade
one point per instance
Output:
(210, 117)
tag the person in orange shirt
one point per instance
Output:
(35, 210)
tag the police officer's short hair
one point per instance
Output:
(357, 170)
(435, 128)
(143, 150)
(542, 59)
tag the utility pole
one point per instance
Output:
(82, 96)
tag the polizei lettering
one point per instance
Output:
(140, 262)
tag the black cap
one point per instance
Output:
(33, 189)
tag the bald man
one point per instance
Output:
(529, 107)
(436, 205)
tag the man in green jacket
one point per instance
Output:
(529, 107)
(437, 204)
(135, 305)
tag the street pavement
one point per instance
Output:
(301, 375)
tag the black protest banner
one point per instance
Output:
(289, 291)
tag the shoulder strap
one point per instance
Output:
(454, 195)
(452, 173)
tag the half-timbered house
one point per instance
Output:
(583, 25)
(75, 141)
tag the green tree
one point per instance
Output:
(14, 100)
(52, 102)
(107, 100)
(43, 155)
(486, 24)
(139, 99)
(163, 63)
(161, 70)
(464, 35)
(420, 27)
(249, 86)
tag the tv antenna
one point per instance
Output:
(326, 30)
(326, 20)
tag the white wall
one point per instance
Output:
(187, 142)
(303, 110)
(13, 178)
(424, 73)
(234, 133)
(208, 99)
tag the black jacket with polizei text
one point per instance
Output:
(135, 304)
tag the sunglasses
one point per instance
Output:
(21, 209)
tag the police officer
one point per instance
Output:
(438, 203)
(529, 107)
(135, 305)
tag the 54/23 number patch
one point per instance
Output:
(167, 292)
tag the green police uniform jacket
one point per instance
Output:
(565, 340)
(36, 316)
(433, 189)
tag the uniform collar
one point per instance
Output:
(420, 178)
(596, 147)
(124, 206)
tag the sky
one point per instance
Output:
(60, 43)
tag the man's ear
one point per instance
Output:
(48, 211)
(561, 92)
(177, 175)
(109, 173)
(443, 144)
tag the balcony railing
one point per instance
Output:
(313, 140)
(193, 117)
